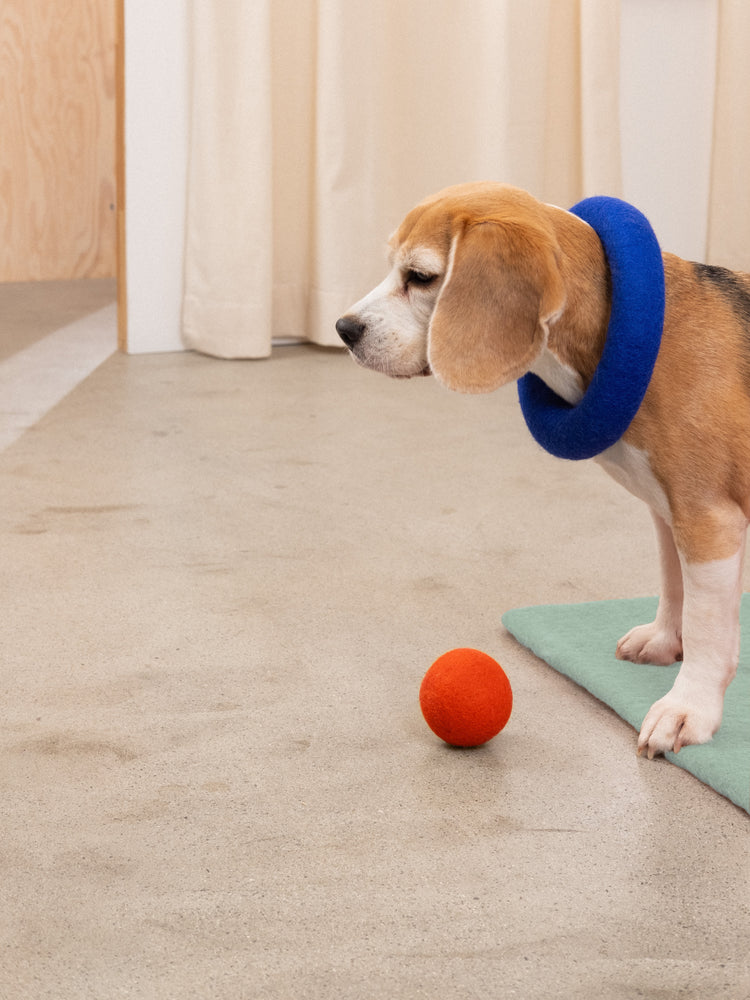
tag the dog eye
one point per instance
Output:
(419, 278)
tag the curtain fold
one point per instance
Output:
(316, 124)
(227, 303)
(600, 98)
(729, 210)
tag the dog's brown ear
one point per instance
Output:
(502, 286)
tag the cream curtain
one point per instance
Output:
(729, 214)
(316, 124)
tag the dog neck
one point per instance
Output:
(615, 393)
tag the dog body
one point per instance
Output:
(487, 283)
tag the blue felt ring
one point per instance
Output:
(636, 320)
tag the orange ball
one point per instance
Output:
(465, 697)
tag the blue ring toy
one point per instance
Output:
(634, 333)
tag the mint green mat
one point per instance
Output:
(579, 640)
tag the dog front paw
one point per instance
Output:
(673, 723)
(650, 644)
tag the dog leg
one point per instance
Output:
(691, 711)
(660, 641)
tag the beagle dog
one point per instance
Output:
(486, 283)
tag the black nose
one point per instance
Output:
(350, 330)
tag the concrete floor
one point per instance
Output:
(222, 584)
(32, 310)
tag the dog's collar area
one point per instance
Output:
(634, 333)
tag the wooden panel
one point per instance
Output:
(57, 139)
(122, 274)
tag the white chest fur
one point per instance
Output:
(561, 378)
(630, 467)
(627, 465)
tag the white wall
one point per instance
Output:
(668, 53)
(156, 103)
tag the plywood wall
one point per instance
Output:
(57, 139)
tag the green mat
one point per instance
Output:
(579, 641)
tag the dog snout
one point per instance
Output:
(350, 330)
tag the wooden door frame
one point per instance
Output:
(122, 283)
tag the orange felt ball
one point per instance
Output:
(465, 697)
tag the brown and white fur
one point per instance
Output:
(487, 283)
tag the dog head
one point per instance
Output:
(474, 282)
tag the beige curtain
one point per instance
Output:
(316, 124)
(729, 214)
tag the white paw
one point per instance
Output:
(674, 722)
(650, 644)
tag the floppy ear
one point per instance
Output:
(502, 287)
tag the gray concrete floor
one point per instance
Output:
(30, 310)
(222, 585)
